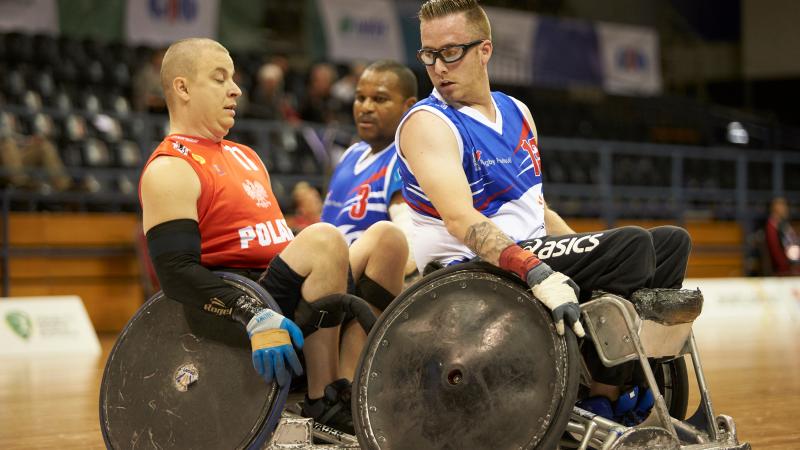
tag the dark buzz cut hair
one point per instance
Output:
(405, 77)
(476, 16)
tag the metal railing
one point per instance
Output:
(600, 191)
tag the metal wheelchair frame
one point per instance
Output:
(604, 317)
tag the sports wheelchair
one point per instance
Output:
(465, 358)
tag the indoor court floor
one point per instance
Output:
(751, 357)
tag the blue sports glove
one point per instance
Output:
(271, 338)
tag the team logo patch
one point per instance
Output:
(185, 376)
(180, 148)
(216, 306)
(567, 246)
(20, 324)
(476, 159)
(257, 192)
(198, 158)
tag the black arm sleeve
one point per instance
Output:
(174, 248)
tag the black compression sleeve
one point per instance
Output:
(174, 248)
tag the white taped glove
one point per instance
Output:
(560, 294)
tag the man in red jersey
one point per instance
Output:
(207, 204)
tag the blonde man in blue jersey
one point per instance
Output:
(472, 175)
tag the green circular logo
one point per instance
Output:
(20, 324)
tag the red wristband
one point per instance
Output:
(518, 260)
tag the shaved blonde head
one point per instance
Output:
(180, 60)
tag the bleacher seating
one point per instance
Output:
(77, 92)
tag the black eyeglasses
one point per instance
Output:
(449, 54)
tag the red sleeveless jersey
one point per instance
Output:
(241, 224)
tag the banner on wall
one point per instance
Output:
(358, 30)
(512, 38)
(36, 325)
(755, 307)
(630, 59)
(565, 53)
(730, 295)
(29, 16)
(161, 22)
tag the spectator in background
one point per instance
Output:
(21, 155)
(147, 93)
(782, 241)
(269, 100)
(307, 206)
(293, 81)
(319, 105)
(344, 89)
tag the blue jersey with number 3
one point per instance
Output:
(361, 189)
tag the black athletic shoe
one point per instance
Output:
(333, 409)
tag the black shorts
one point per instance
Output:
(281, 282)
(284, 285)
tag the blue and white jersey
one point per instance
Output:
(502, 164)
(361, 189)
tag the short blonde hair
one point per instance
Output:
(475, 15)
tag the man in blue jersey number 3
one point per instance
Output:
(364, 200)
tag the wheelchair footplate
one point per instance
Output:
(297, 432)
(650, 328)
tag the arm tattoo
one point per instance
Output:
(487, 241)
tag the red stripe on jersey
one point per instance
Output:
(376, 176)
(486, 202)
(423, 208)
(526, 129)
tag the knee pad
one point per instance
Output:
(330, 311)
(374, 293)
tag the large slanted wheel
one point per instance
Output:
(182, 378)
(673, 381)
(465, 359)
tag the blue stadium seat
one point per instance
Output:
(127, 154)
(14, 85)
(44, 125)
(96, 153)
